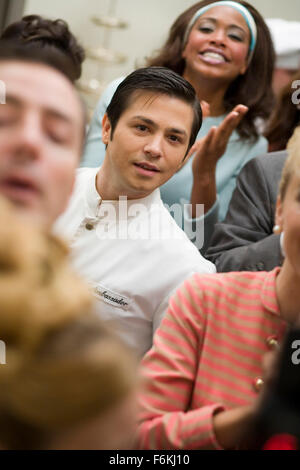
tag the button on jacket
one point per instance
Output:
(133, 254)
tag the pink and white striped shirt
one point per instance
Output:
(207, 355)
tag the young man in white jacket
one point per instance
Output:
(124, 241)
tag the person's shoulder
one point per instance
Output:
(112, 86)
(105, 98)
(214, 293)
(268, 161)
(83, 181)
(251, 148)
(272, 158)
(261, 141)
(82, 174)
(117, 81)
(224, 282)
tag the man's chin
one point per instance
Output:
(29, 214)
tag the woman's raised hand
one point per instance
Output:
(208, 151)
(210, 148)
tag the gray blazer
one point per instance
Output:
(245, 240)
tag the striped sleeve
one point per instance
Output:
(169, 371)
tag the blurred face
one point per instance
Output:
(288, 218)
(41, 128)
(148, 145)
(218, 45)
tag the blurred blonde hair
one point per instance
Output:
(62, 365)
(292, 162)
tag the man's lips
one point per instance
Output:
(18, 188)
(147, 167)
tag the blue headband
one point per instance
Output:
(237, 6)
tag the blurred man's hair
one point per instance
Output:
(37, 32)
(53, 58)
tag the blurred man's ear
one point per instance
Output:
(278, 216)
(106, 129)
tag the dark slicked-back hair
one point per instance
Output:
(161, 81)
(253, 89)
(34, 31)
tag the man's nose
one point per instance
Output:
(154, 146)
(29, 138)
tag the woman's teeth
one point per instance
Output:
(214, 55)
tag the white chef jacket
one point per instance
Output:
(131, 272)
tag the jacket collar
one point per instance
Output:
(94, 203)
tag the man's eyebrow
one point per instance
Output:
(145, 120)
(174, 130)
(50, 112)
(148, 121)
(54, 113)
(11, 99)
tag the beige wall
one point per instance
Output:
(148, 21)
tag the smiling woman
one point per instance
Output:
(220, 48)
(211, 59)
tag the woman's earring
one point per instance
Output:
(277, 229)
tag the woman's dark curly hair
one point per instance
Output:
(253, 89)
(36, 31)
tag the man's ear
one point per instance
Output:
(106, 129)
(279, 215)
